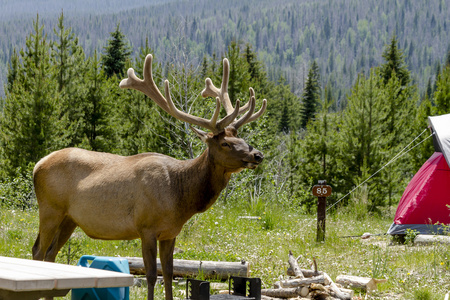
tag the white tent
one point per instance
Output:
(441, 128)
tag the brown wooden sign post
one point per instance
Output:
(321, 191)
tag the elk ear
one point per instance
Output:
(200, 133)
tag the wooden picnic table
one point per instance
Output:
(27, 279)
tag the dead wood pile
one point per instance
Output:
(314, 284)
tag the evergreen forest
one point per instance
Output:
(349, 86)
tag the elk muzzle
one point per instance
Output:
(256, 158)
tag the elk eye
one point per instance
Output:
(225, 145)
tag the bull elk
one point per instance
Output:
(148, 196)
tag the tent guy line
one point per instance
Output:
(397, 156)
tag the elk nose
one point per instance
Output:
(258, 157)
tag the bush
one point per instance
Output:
(18, 192)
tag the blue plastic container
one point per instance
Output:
(116, 264)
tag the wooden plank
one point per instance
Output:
(22, 274)
(31, 295)
(17, 280)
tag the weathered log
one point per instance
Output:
(191, 268)
(292, 283)
(335, 291)
(304, 291)
(305, 272)
(282, 293)
(318, 287)
(264, 297)
(294, 266)
(427, 239)
(317, 294)
(350, 292)
(365, 283)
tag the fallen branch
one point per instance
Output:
(282, 293)
(294, 266)
(335, 289)
(264, 297)
(315, 264)
(292, 283)
(305, 272)
(365, 283)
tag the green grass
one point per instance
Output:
(412, 272)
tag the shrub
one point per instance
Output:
(18, 192)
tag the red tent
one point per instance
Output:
(425, 204)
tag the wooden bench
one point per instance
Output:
(26, 279)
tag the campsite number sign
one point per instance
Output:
(321, 191)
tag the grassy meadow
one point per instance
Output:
(412, 272)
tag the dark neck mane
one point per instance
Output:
(207, 178)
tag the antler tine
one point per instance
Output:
(222, 93)
(249, 116)
(238, 123)
(181, 115)
(149, 88)
(147, 85)
(229, 118)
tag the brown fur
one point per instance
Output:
(148, 196)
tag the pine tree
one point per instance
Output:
(362, 138)
(99, 90)
(399, 104)
(12, 71)
(310, 95)
(422, 153)
(442, 93)
(399, 98)
(394, 64)
(68, 60)
(116, 55)
(429, 90)
(28, 114)
(284, 125)
(320, 155)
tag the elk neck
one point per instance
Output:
(206, 180)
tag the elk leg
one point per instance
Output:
(49, 222)
(149, 253)
(166, 255)
(65, 231)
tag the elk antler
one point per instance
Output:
(222, 94)
(149, 88)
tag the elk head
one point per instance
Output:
(225, 148)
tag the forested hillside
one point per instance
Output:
(344, 37)
(349, 85)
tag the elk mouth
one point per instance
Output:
(251, 164)
(254, 160)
